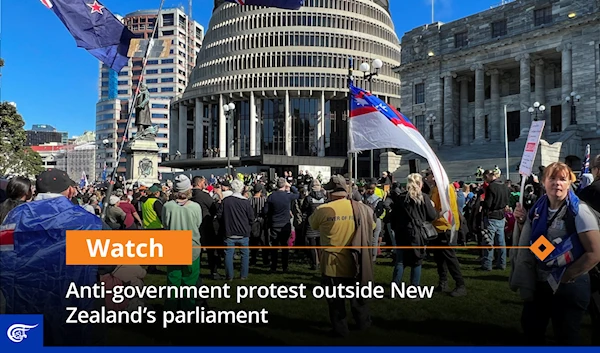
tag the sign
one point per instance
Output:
(314, 171)
(531, 147)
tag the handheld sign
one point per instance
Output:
(531, 147)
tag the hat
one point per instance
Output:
(337, 184)
(210, 188)
(316, 185)
(154, 188)
(226, 183)
(52, 180)
(143, 187)
(426, 172)
(114, 200)
(456, 185)
(182, 183)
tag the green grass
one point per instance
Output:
(489, 315)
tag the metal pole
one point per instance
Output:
(350, 65)
(506, 142)
(371, 169)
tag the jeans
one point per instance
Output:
(565, 308)
(229, 256)
(376, 234)
(415, 272)
(497, 228)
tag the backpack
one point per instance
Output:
(110, 282)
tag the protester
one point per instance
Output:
(494, 204)
(115, 216)
(131, 215)
(18, 191)
(183, 214)
(315, 198)
(259, 236)
(236, 217)
(557, 288)
(207, 229)
(341, 265)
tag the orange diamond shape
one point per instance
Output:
(548, 248)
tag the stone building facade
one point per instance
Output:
(464, 73)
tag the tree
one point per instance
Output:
(15, 158)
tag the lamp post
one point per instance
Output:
(430, 120)
(229, 109)
(537, 108)
(574, 97)
(368, 75)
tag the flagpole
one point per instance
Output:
(506, 142)
(350, 65)
(131, 109)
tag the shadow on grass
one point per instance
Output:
(498, 278)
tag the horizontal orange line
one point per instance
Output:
(360, 247)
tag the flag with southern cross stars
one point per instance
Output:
(95, 29)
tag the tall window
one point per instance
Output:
(499, 29)
(460, 40)
(420, 124)
(419, 93)
(542, 16)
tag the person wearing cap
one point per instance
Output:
(347, 261)
(278, 212)
(34, 268)
(493, 205)
(183, 214)
(315, 198)
(445, 259)
(236, 217)
(115, 216)
(259, 236)
(152, 209)
(375, 202)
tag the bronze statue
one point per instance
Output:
(143, 117)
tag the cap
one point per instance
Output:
(154, 188)
(426, 172)
(337, 184)
(456, 185)
(182, 183)
(226, 183)
(114, 199)
(52, 180)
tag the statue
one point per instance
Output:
(143, 117)
(147, 134)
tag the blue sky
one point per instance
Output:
(54, 82)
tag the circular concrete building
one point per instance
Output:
(286, 73)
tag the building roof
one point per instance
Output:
(49, 148)
(383, 3)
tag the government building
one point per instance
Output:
(285, 74)
(539, 59)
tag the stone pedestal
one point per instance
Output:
(389, 161)
(142, 162)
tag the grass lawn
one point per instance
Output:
(489, 315)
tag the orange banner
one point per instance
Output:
(129, 247)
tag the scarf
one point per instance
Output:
(567, 249)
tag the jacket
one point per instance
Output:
(363, 235)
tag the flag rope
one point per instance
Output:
(132, 108)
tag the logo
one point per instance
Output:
(17, 332)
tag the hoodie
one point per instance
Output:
(310, 204)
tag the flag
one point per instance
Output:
(585, 168)
(104, 172)
(95, 29)
(83, 182)
(282, 4)
(377, 125)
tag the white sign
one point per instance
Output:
(314, 171)
(531, 147)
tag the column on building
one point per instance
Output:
(173, 130)
(222, 129)
(252, 125)
(183, 129)
(438, 112)
(210, 127)
(199, 128)
(321, 127)
(479, 103)
(448, 117)
(567, 82)
(540, 91)
(525, 93)
(465, 121)
(496, 118)
(288, 125)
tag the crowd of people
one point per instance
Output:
(341, 217)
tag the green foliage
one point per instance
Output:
(15, 157)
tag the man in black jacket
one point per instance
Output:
(207, 229)
(236, 217)
(494, 202)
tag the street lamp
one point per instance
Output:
(368, 75)
(574, 97)
(537, 108)
(430, 120)
(229, 109)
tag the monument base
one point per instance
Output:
(142, 162)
